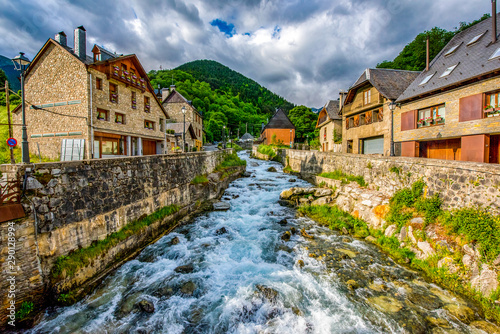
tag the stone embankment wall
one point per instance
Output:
(72, 204)
(459, 184)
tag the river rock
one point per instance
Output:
(446, 297)
(439, 322)
(385, 304)
(461, 312)
(293, 230)
(266, 293)
(272, 169)
(321, 192)
(292, 180)
(402, 235)
(213, 177)
(283, 222)
(221, 231)
(321, 201)
(221, 206)
(449, 264)
(486, 281)
(287, 203)
(485, 326)
(371, 239)
(411, 236)
(305, 234)
(174, 241)
(352, 284)
(188, 288)
(146, 306)
(286, 194)
(347, 252)
(286, 236)
(254, 164)
(426, 248)
(390, 230)
(247, 174)
(184, 269)
(425, 300)
(300, 263)
(467, 260)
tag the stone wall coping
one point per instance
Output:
(493, 169)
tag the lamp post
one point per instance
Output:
(392, 106)
(290, 138)
(20, 64)
(184, 132)
(224, 137)
(307, 139)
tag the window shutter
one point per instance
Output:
(347, 123)
(471, 108)
(408, 120)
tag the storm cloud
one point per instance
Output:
(305, 51)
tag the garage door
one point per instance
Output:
(373, 145)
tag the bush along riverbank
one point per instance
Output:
(459, 250)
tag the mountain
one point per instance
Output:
(12, 75)
(221, 77)
(413, 55)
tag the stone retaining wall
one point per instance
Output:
(72, 204)
(459, 184)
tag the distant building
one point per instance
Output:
(279, 130)
(365, 114)
(451, 111)
(93, 107)
(173, 102)
(329, 124)
(178, 129)
(247, 137)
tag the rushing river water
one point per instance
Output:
(240, 277)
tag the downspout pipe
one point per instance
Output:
(91, 121)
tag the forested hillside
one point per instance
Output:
(412, 58)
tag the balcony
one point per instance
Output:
(128, 78)
(358, 105)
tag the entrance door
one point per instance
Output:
(373, 145)
(148, 147)
(494, 149)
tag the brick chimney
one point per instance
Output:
(494, 21)
(80, 43)
(61, 38)
(172, 88)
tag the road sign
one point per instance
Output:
(12, 142)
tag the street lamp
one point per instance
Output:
(20, 64)
(290, 138)
(224, 137)
(392, 106)
(307, 139)
(184, 132)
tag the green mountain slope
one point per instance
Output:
(223, 78)
(12, 75)
(412, 58)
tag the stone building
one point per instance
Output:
(366, 116)
(92, 107)
(178, 129)
(173, 102)
(451, 111)
(330, 125)
(279, 130)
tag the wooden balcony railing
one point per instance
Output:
(128, 78)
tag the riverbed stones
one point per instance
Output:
(439, 322)
(321, 192)
(321, 201)
(446, 297)
(371, 239)
(426, 249)
(221, 231)
(385, 304)
(352, 285)
(221, 206)
(461, 312)
(485, 326)
(486, 281)
(390, 230)
(267, 293)
(347, 252)
(272, 169)
(300, 263)
(146, 306)
(174, 241)
(189, 268)
(188, 288)
(305, 234)
(286, 236)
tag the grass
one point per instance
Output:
(200, 179)
(289, 170)
(24, 310)
(345, 178)
(69, 264)
(230, 161)
(236, 147)
(267, 150)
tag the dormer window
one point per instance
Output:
(496, 54)
(453, 49)
(427, 79)
(448, 71)
(475, 39)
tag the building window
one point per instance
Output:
(134, 100)
(431, 116)
(113, 93)
(161, 125)
(150, 125)
(492, 104)
(349, 146)
(102, 114)
(351, 122)
(367, 96)
(119, 118)
(98, 83)
(147, 106)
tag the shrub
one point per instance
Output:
(200, 179)
(24, 310)
(345, 178)
(267, 150)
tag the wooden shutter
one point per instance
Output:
(471, 108)
(380, 115)
(347, 123)
(408, 121)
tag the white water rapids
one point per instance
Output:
(221, 293)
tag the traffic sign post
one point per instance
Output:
(11, 142)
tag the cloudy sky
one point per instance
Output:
(303, 50)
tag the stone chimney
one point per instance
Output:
(172, 88)
(494, 21)
(61, 38)
(164, 93)
(80, 43)
(342, 96)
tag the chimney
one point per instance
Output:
(262, 127)
(342, 95)
(61, 38)
(80, 43)
(427, 52)
(172, 88)
(494, 21)
(164, 93)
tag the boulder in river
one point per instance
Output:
(321, 192)
(286, 236)
(188, 288)
(184, 269)
(487, 327)
(461, 312)
(300, 263)
(174, 241)
(352, 284)
(305, 234)
(272, 169)
(286, 194)
(385, 304)
(293, 230)
(222, 206)
(221, 231)
(292, 180)
(146, 306)
(266, 293)
(283, 222)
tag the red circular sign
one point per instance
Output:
(12, 142)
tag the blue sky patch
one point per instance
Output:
(226, 28)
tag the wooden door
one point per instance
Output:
(148, 147)
(494, 149)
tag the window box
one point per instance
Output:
(119, 118)
(113, 98)
(116, 71)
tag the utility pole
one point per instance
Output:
(246, 128)
(7, 104)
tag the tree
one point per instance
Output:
(3, 77)
(305, 122)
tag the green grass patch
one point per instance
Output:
(345, 178)
(227, 166)
(395, 170)
(267, 150)
(69, 264)
(200, 179)
(236, 147)
(289, 170)
(24, 310)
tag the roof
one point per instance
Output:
(105, 54)
(390, 83)
(473, 61)
(175, 97)
(247, 136)
(279, 121)
(332, 109)
(179, 128)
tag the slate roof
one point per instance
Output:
(472, 62)
(390, 83)
(176, 97)
(247, 136)
(279, 121)
(179, 128)
(332, 109)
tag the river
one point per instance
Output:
(240, 277)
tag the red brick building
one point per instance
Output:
(279, 130)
